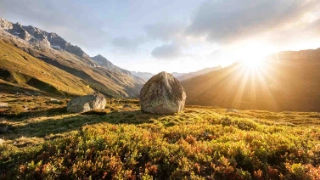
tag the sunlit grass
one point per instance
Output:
(201, 142)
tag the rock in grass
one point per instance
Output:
(86, 103)
(3, 128)
(3, 105)
(162, 94)
(126, 106)
(54, 101)
(232, 110)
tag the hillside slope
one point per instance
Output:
(22, 70)
(286, 81)
(71, 59)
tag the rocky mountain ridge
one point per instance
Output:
(38, 37)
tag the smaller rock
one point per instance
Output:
(25, 107)
(27, 93)
(37, 94)
(1, 141)
(86, 103)
(287, 112)
(290, 124)
(3, 105)
(126, 106)
(232, 110)
(54, 100)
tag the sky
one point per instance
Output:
(174, 36)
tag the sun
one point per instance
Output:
(253, 64)
(253, 56)
(254, 60)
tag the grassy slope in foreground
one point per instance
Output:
(26, 71)
(200, 143)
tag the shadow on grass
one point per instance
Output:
(11, 89)
(34, 114)
(58, 125)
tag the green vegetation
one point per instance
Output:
(27, 73)
(24, 67)
(124, 143)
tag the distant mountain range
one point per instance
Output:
(143, 75)
(288, 81)
(70, 62)
(180, 76)
(104, 62)
(185, 76)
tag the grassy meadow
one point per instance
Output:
(43, 141)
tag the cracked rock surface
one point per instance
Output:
(162, 94)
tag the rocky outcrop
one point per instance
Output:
(86, 103)
(162, 94)
(38, 37)
(4, 24)
(18, 31)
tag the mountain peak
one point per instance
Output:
(3, 20)
(36, 36)
(99, 56)
(102, 60)
(5, 24)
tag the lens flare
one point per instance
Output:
(253, 64)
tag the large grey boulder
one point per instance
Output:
(162, 94)
(86, 103)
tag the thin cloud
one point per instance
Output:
(164, 31)
(228, 21)
(167, 52)
(128, 44)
